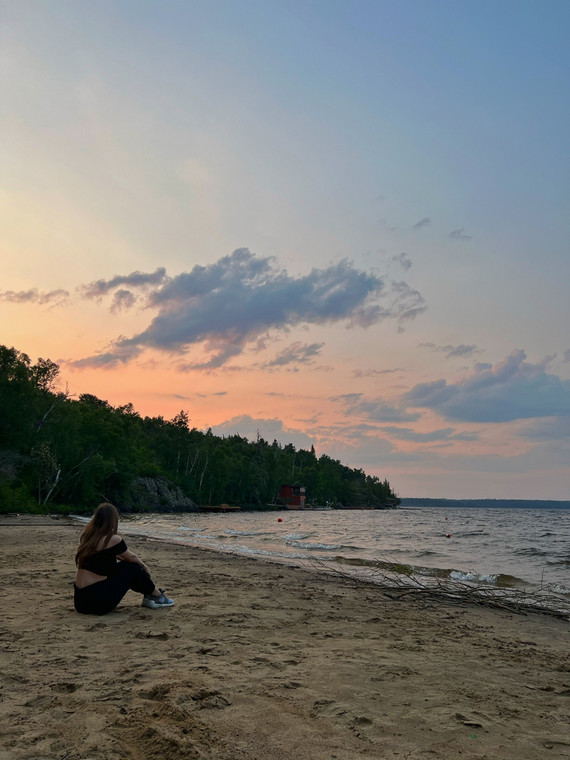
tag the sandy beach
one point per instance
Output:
(259, 661)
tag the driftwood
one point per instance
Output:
(398, 581)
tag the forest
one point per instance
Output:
(60, 454)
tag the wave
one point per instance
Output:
(250, 551)
(557, 588)
(500, 580)
(530, 551)
(322, 547)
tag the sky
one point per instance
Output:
(340, 224)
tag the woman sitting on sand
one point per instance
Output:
(101, 581)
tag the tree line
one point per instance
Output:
(59, 453)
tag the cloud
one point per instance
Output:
(549, 429)
(53, 297)
(296, 353)
(359, 446)
(100, 288)
(123, 300)
(459, 235)
(403, 260)
(375, 410)
(425, 222)
(269, 429)
(513, 389)
(566, 356)
(548, 359)
(373, 372)
(239, 298)
(444, 434)
(463, 351)
(349, 398)
(407, 305)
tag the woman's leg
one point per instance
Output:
(137, 579)
(104, 596)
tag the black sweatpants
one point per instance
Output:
(104, 596)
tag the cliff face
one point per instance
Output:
(156, 495)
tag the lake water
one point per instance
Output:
(519, 548)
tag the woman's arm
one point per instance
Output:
(128, 556)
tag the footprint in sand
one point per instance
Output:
(96, 627)
(64, 687)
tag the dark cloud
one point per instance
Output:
(123, 300)
(513, 389)
(425, 222)
(236, 300)
(296, 353)
(52, 297)
(462, 351)
(100, 288)
(459, 235)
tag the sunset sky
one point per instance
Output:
(343, 224)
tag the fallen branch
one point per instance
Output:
(399, 581)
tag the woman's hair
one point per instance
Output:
(103, 525)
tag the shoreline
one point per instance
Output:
(547, 598)
(260, 661)
(526, 597)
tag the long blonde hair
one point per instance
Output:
(103, 525)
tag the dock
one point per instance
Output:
(220, 508)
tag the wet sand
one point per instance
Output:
(260, 661)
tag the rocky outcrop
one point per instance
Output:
(147, 494)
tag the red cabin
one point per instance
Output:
(292, 497)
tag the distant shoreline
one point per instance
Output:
(486, 503)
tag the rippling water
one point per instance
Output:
(503, 547)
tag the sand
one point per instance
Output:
(260, 661)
